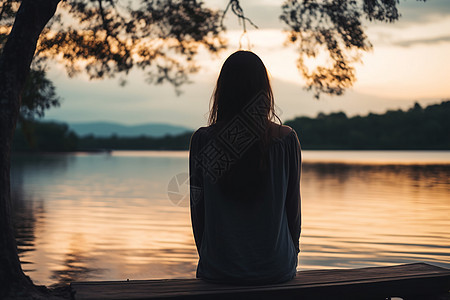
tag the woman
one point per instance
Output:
(245, 182)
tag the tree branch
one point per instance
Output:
(238, 12)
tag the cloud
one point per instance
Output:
(414, 12)
(423, 41)
(429, 34)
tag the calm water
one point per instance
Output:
(123, 215)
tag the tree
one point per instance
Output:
(15, 62)
(108, 37)
(104, 39)
(39, 92)
(38, 95)
(45, 137)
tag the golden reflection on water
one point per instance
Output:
(108, 217)
(359, 215)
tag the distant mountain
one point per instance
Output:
(106, 129)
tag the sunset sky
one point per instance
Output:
(409, 63)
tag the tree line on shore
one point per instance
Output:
(416, 128)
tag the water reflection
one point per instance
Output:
(370, 215)
(24, 221)
(75, 265)
(108, 217)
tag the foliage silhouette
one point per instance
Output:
(333, 28)
(108, 37)
(168, 142)
(414, 129)
(45, 137)
(38, 95)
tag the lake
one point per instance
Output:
(125, 215)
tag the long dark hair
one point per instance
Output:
(243, 91)
(242, 77)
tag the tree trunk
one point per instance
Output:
(15, 61)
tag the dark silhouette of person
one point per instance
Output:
(245, 182)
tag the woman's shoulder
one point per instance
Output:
(286, 138)
(206, 130)
(286, 130)
(202, 134)
(279, 131)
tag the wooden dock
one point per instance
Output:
(410, 281)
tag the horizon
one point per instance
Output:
(299, 116)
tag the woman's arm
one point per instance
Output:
(293, 200)
(196, 190)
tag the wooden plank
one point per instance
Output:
(370, 283)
